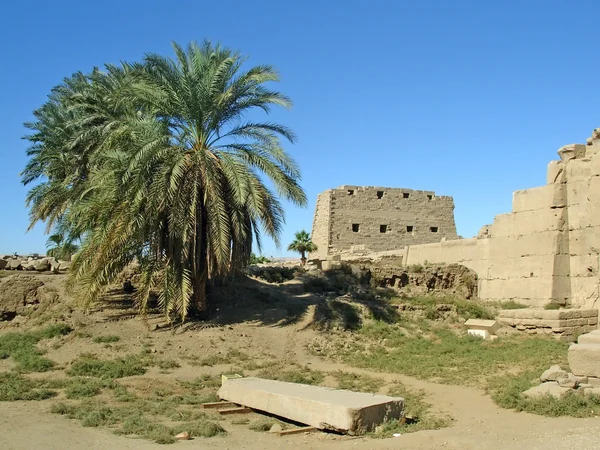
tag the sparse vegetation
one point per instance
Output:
(551, 306)
(14, 386)
(511, 304)
(418, 414)
(293, 374)
(90, 365)
(357, 382)
(506, 391)
(106, 339)
(22, 348)
(446, 356)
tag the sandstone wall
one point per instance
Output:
(359, 219)
(547, 249)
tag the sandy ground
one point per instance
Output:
(478, 422)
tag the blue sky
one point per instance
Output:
(468, 98)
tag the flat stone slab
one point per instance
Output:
(491, 326)
(584, 359)
(320, 407)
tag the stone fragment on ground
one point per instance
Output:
(554, 373)
(550, 388)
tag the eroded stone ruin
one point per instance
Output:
(371, 219)
(547, 249)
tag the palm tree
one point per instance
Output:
(173, 172)
(59, 247)
(302, 244)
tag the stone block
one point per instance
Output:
(504, 225)
(491, 326)
(571, 151)
(316, 406)
(593, 381)
(584, 359)
(556, 172)
(554, 373)
(550, 388)
(589, 338)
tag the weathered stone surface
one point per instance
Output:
(571, 151)
(584, 359)
(550, 388)
(589, 338)
(593, 381)
(63, 265)
(491, 326)
(3, 263)
(363, 219)
(554, 373)
(320, 407)
(571, 381)
(14, 264)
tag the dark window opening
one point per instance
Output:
(379, 194)
(433, 229)
(430, 197)
(383, 228)
(350, 191)
(355, 227)
(409, 228)
(405, 194)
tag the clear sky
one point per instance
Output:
(467, 98)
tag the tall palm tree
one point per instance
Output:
(173, 172)
(302, 244)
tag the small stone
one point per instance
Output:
(183, 436)
(554, 373)
(593, 381)
(550, 388)
(570, 382)
(276, 428)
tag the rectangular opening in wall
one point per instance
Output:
(430, 196)
(433, 229)
(383, 228)
(405, 195)
(350, 191)
(355, 227)
(379, 194)
(409, 228)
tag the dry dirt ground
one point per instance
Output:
(268, 334)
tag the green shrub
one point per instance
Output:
(106, 339)
(88, 365)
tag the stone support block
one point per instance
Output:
(584, 359)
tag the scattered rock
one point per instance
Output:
(570, 382)
(276, 428)
(183, 436)
(554, 373)
(550, 388)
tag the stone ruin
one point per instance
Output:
(33, 263)
(546, 250)
(365, 219)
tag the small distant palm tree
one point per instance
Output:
(302, 244)
(60, 248)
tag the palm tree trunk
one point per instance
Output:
(303, 259)
(200, 273)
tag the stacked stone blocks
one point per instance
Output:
(564, 324)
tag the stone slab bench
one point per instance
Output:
(319, 407)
